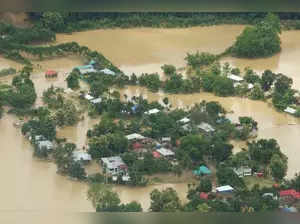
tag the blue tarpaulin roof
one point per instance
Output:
(202, 170)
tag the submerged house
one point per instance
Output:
(114, 165)
(135, 137)
(235, 78)
(44, 145)
(202, 170)
(243, 171)
(108, 71)
(81, 156)
(225, 189)
(152, 111)
(184, 120)
(85, 69)
(290, 110)
(206, 127)
(51, 74)
(167, 153)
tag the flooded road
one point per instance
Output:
(34, 185)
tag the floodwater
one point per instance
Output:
(34, 184)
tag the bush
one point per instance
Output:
(261, 40)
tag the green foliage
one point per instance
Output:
(283, 95)
(226, 176)
(151, 81)
(267, 79)
(168, 69)
(108, 145)
(261, 40)
(7, 71)
(22, 95)
(257, 93)
(263, 150)
(251, 76)
(106, 200)
(296, 182)
(193, 146)
(63, 157)
(73, 80)
(67, 115)
(176, 84)
(223, 86)
(205, 185)
(45, 127)
(199, 60)
(278, 167)
(103, 198)
(53, 21)
(164, 201)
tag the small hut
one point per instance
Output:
(51, 74)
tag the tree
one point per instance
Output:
(131, 207)
(257, 93)
(283, 84)
(23, 94)
(45, 127)
(263, 150)
(278, 167)
(203, 208)
(226, 176)
(205, 185)
(199, 60)
(193, 146)
(164, 201)
(296, 182)
(267, 79)
(168, 69)
(67, 115)
(63, 157)
(103, 198)
(223, 86)
(251, 76)
(73, 80)
(261, 40)
(53, 21)
(76, 171)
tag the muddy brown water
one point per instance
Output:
(31, 184)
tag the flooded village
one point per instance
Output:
(139, 51)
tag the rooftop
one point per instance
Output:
(45, 144)
(235, 78)
(290, 110)
(184, 120)
(224, 188)
(107, 71)
(95, 101)
(206, 127)
(81, 155)
(135, 136)
(165, 152)
(113, 162)
(152, 111)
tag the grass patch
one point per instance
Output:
(262, 182)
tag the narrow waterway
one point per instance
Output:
(30, 184)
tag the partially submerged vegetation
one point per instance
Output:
(148, 137)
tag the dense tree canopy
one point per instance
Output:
(261, 40)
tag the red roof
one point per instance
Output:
(137, 145)
(203, 195)
(51, 72)
(291, 192)
(156, 154)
